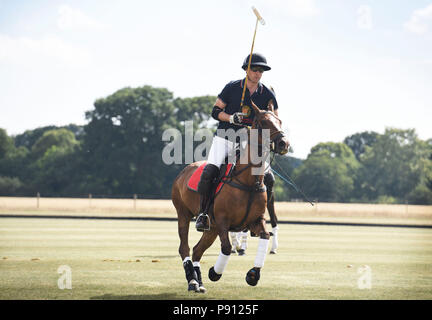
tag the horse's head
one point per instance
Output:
(266, 119)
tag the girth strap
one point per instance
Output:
(257, 188)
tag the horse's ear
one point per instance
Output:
(270, 106)
(255, 107)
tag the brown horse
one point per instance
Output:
(239, 205)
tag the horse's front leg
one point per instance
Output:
(253, 274)
(269, 180)
(274, 221)
(215, 272)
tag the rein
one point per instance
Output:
(257, 187)
(236, 172)
(278, 132)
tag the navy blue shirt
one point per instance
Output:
(231, 95)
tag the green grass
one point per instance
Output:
(313, 262)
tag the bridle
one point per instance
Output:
(279, 133)
(273, 137)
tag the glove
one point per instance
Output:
(236, 118)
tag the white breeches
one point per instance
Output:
(220, 149)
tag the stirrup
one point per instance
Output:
(200, 225)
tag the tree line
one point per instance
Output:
(118, 154)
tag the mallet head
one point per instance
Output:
(260, 19)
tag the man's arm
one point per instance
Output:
(222, 116)
(219, 114)
(236, 118)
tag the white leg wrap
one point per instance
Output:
(186, 259)
(261, 252)
(221, 263)
(234, 240)
(275, 242)
(243, 239)
(197, 264)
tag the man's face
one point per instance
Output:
(255, 74)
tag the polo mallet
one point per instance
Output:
(259, 19)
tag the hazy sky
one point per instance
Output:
(338, 67)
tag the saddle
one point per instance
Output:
(225, 176)
(224, 173)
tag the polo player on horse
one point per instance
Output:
(227, 111)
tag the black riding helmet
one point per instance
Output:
(258, 60)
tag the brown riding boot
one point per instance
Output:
(203, 220)
(208, 175)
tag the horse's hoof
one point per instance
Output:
(193, 286)
(273, 252)
(241, 252)
(253, 276)
(213, 276)
(202, 289)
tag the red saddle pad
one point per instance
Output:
(196, 177)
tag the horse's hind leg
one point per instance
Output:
(253, 274)
(184, 218)
(205, 242)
